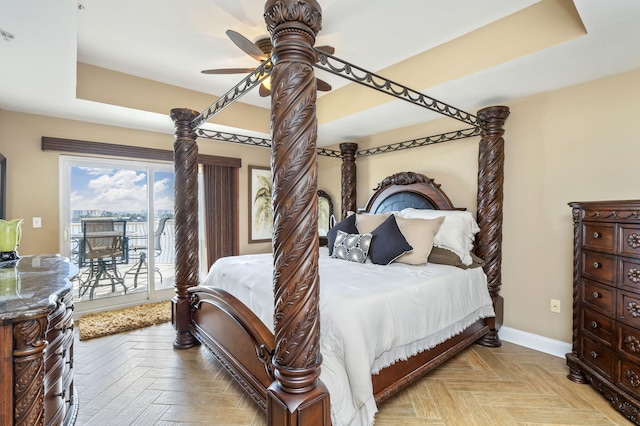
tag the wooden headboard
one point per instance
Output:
(407, 190)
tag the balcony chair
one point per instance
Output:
(101, 249)
(138, 250)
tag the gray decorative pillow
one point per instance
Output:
(351, 247)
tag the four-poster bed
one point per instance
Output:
(280, 368)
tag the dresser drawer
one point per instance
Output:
(599, 297)
(629, 241)
(628, 377)
(628, 308)
(598, 266)
(628, 342)
(599, 236)
(629, 274)
(599, 326)
(598, 357)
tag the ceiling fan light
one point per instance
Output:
(267, 83)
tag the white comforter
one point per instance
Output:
(371, 316)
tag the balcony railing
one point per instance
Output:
(167, 240)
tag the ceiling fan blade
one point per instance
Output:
(228, 71)
(246, 45)
(322, 86)
(263, 91)
(327, 49)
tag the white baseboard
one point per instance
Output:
(534, 341)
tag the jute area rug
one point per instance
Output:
(112, 322)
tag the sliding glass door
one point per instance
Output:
(129, 258)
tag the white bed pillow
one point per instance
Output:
(456, 233)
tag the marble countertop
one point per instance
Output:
(31, 286)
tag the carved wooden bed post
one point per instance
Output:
(185, 159)
(490, 196)
(297, 397)
(349, 181)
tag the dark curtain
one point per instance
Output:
(220, 211)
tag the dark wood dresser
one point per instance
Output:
(36, 308)
(606, 301)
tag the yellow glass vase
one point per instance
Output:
(10, 234)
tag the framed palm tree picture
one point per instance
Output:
(260, 210)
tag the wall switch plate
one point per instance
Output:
(37, 222)
(555, 305)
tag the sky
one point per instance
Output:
(118, 190)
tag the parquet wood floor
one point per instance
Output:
(137, 378)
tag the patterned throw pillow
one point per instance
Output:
(351, 247)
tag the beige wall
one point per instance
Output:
(33, 176)
(574, 144)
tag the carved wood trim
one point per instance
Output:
(349, 178)
(297, 396)
(186, 222)
(294, 168)
(577, 242)
(29, 344)
(490, 197)
(409, 182)
(626, 405)
(227, 328)
(611, 214)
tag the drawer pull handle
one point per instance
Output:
(596, 295)
(596, 235)
(594, 355)
(632, 344)
(594, 324)
(632, 377)
(634, 309)
(597, 265)
(634, 241)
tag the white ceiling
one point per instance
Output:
(170, 41)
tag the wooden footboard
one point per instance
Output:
(401, 374)
(236, 336)
(244, 346)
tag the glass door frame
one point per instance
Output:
(151, 295)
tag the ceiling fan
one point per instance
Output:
(261, 51)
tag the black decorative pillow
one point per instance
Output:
(388, 243)
(347, 225)
(352, 247)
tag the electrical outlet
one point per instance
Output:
(555, 306)
(37, 222)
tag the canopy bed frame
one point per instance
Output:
(280, 370)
